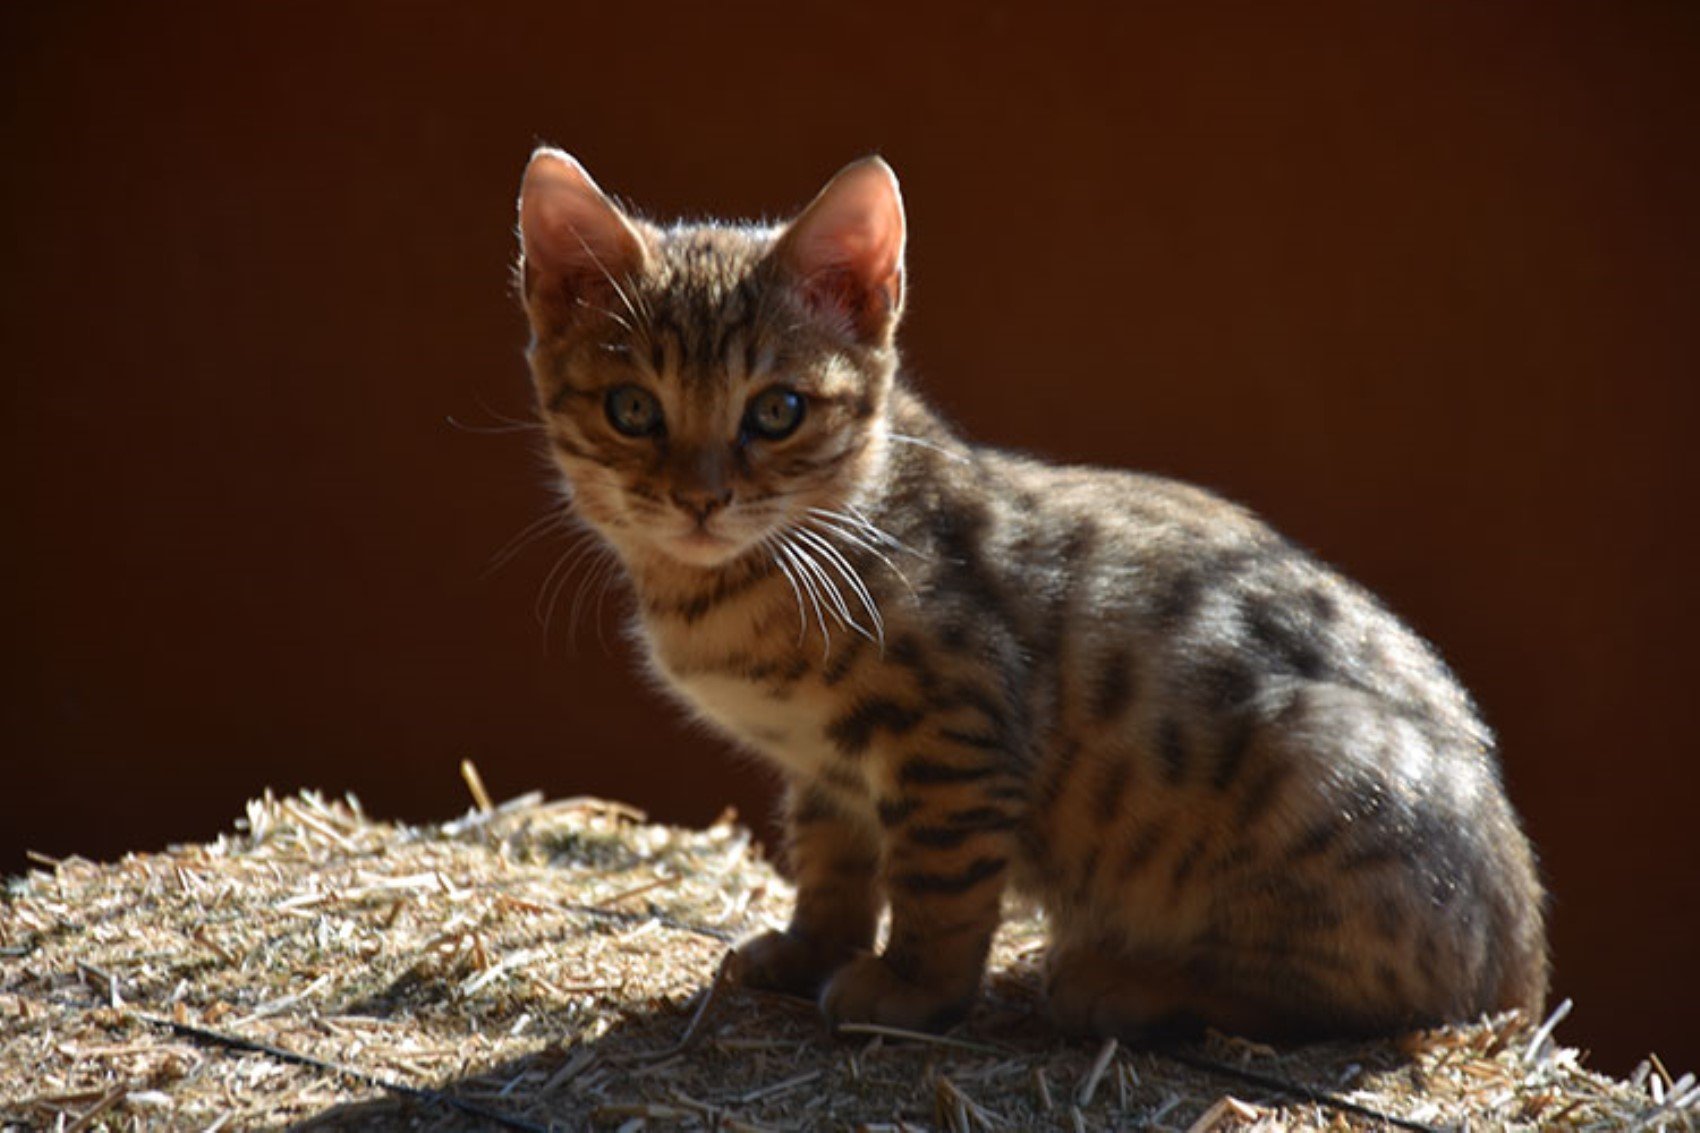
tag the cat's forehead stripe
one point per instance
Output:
(704, 299)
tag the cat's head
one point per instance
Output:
(705, 386)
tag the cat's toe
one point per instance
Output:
(866, 990)
(790, 962)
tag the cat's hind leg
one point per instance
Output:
(1139, 998)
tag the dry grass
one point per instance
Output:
(553, 965)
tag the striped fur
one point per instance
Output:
(1243, 792)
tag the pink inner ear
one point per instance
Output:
(844, 291)
(847, 248)
(575, 240)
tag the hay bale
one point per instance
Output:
(558, 965)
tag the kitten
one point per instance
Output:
(1243, 793)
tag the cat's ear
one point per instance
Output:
(846, 250)
(577, 248)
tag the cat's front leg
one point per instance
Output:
(836, 859)
(950, 837)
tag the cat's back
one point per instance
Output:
(1151, 570)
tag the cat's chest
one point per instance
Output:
(745, 669)
(768, 699)
(786, 723)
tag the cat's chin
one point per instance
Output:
(702, 550)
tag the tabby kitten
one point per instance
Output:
(1243, 793)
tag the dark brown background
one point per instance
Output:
(1416, 281)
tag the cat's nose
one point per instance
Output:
(702, 502)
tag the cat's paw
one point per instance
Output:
(1107, 997)
(789, 962)
(866, 990)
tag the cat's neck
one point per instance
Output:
(658, 575)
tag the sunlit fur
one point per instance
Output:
(1243, 792)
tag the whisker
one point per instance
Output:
(555, 597)
(862, 520)
(544, 525)
(921, 442)
(505, 419)
(790, 553)
(855, 538)
(601, 310)
(862, 537)
(562, 560)
(504, 423)
(606, 274)
(829, 588)
(868, 530)
(839, 563)
(609, 577)
(603, 564)
(835, 597)
(851, 521)
(852, 517)
(494, 430)
(802, 616)
(594, 562)
(559, 575)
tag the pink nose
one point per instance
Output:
(702, 503)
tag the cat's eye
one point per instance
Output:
(774, 413)
(633, 410)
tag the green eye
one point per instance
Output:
(774, 413)
(633, 410)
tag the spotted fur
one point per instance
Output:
(1243, 792)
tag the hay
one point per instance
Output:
(559, 965)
